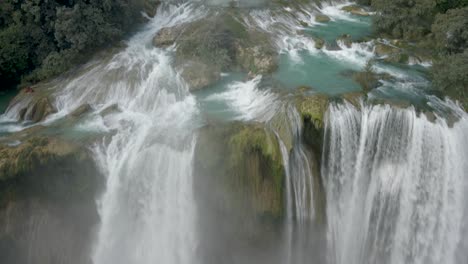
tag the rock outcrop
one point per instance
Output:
(47, 201)
(33, 106)
(239, 187)
(215, 44)
(356, 10)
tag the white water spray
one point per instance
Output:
(395, 185)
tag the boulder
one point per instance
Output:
(319, 43)
(320, 18)
(356, 10)
(391, 53)
(81, 110)
(31, 106)
(346, 39)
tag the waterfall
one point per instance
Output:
(395, 185)
(300, 210)
(147, 209)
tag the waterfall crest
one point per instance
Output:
(395, 185)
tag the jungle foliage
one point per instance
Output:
(41, 38)
(438, 25)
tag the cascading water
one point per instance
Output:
(147, 210)
(395, 185)
(300, 235)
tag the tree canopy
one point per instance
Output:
(41, 38)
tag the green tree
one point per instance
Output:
(450, 76)
(14, 54)
(451, 31)
(410, 19)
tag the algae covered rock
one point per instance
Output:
(354, 98)
(391, 53)
(244, 161)
(355, 10)
(48, 188)
(312, 109)
(319, 43)
(33, 105)
(218, 43)
(322, 18)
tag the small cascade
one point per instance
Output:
(395, 185)
(300, 236)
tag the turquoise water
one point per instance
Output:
(358, 28)
(318, 71)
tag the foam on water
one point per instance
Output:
(248, 100)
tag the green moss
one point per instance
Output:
(244, 163)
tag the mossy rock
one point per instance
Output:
(244, 162)
(218, 43)
(32, 106)
(355, 10)
(319, 43)
(320, 18)
(391, 53)
(312, 109)
(52, 184)
(354, 98)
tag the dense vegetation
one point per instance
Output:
(440, 26)
(41, 38)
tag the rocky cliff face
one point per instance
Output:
(239, 182)
(47, 201)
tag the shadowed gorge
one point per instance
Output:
(223, 132)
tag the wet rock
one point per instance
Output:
(322, 18)
(40, 109)
(391, 53)
(260, 59)
(246, 164)
(110, 110)
(369, 79)
(312, 109)
(355, 10)
(151, 7)
(354, 98)
(198, 74)
(81, 110)
(218, 43)
(166, 37)
(33, 106)
(239, 186)
(346, 39)
(34, 153)
(48, 188)
(319, 43)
